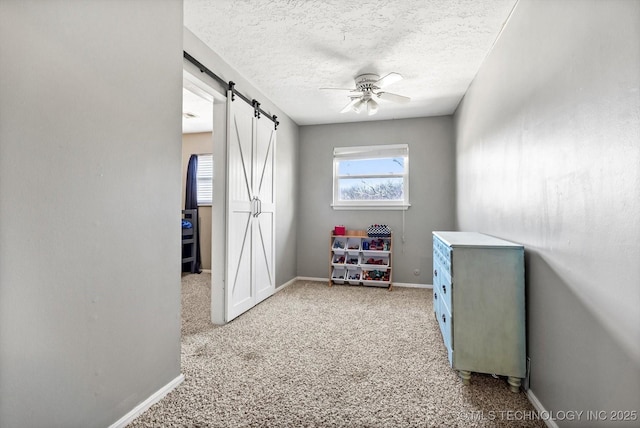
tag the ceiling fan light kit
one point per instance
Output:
(357, 105)
(368, 86)
(372, 107)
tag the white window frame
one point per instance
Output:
(204, 179)
(371, 152)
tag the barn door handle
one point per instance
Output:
(254, 206)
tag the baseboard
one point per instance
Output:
(286, 284)
(550, 423)
(410, 285)
(395, 284)
(144, 406)
(309, 278)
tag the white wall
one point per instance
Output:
(90, 131)
(431, 191)
(548, 155)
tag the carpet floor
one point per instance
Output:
(315, 356)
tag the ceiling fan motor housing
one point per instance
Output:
(364, 82)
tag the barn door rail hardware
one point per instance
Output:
(256, 108)
(231, 86)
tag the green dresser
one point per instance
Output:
(478, 300)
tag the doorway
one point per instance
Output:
(244, 161)
(204, 135)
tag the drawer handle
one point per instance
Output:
(444, 319)
(435, 296)
(444, 289)
(435, 272)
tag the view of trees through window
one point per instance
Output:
(371, 189)
(378, 179)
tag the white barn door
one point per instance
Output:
(250, 276)
(264, 223)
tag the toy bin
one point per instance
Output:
(352, 258)
(339, 245)
(339, 275)
(375, 277)
(377, 262)
(353, 244)
(354, 275)
(378, 244)
(338, 259)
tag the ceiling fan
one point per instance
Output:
(367, 88)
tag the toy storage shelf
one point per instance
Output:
(357, 259)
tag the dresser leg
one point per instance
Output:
(514, 383)
(466, 376)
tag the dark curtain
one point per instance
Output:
(191, 203)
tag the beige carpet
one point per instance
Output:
(314, 356)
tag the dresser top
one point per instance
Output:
(474, 239)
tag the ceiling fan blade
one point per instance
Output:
(338, 89)
(349, 106)
(388, 79)
(393, 97)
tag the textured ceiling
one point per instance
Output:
(288, 49)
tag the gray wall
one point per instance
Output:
(90, 131)
(548, 155)
(431, 191)
(286, 154)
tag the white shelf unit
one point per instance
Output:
(357, 259)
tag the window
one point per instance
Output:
(371, 177)
(204, 179)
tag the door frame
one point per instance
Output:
(192, 75)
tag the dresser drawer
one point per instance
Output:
(436, 294)
(442, 281)
(442, 254)
(446, 326)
